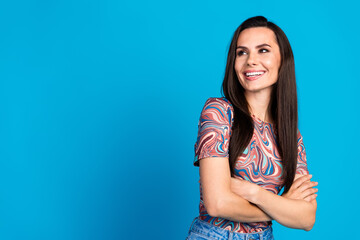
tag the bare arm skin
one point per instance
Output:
(221, 198)
(302, 188)
(295, 209)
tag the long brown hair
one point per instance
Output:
(283, 103)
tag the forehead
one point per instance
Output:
(256, 36)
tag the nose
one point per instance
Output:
(252, 59)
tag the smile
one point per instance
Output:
(253, 75)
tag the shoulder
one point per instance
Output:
(218, 108)
(299, 136)
(219, 102)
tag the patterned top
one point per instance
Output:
(260, 162)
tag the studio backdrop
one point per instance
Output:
(100, 101)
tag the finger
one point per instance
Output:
(310, 198)
(301, 180)
(307, 185)
(309, 192)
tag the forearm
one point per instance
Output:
(235, 208)
(219, 198)
(288, 212)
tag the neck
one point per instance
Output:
(259, 105)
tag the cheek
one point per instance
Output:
(272, 64)
(239, 64)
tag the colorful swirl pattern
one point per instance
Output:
(260, 162)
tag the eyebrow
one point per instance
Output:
(258, 46)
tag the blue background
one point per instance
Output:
(100, 100)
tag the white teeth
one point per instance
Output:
(253, 73)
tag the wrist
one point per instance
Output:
(253, 193)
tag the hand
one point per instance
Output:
(303, 189)
(243, 188)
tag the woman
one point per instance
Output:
(249, 147)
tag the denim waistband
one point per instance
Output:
(213, 232)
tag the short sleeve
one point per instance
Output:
(301, 158)
(214, 129)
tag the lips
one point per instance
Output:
(253, 74)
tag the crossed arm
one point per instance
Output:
(242, 201)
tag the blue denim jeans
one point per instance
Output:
(200, 229)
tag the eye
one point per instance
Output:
(263, 50)
(241, 52)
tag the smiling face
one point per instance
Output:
(257, 59)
